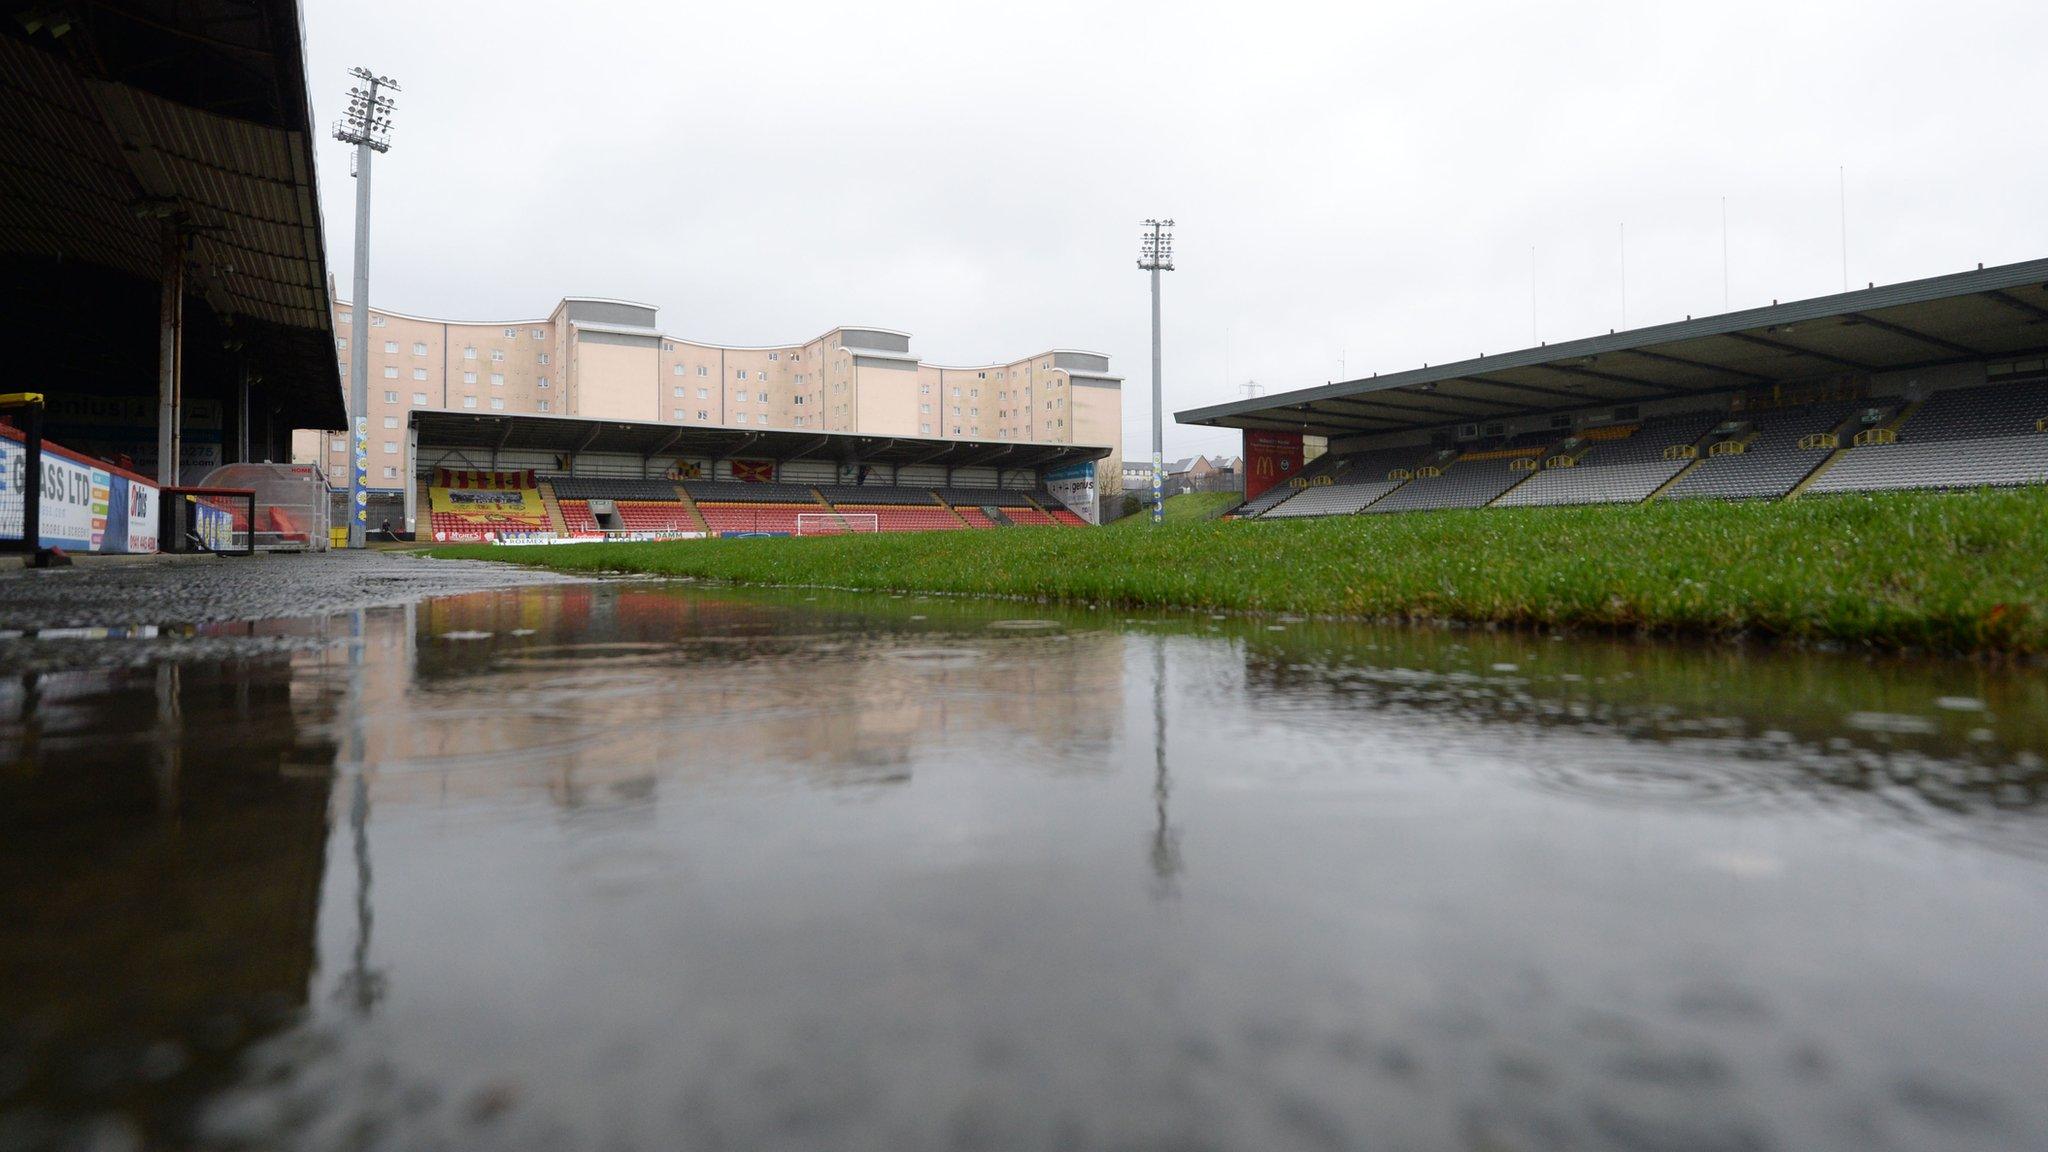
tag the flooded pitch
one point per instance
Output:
(635, 866)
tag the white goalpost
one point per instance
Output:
(836, 523)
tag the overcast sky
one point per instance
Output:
(1357, 186)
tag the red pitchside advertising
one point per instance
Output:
(1270, 458)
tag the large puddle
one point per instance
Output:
(649, 867)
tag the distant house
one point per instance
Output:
(1188, 474)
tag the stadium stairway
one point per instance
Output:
(554, 508)
(696, 516)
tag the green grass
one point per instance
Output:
(1188, 507)
(1951, 573)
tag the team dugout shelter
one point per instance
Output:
(524, 478)
(162, 263)
(1939, 383)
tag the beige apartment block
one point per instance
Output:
(592, 357)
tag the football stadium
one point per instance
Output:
(1631, 743)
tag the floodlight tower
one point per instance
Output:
(367, 126)
(1155, 255)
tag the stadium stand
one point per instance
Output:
(1619, 464)
(1469, 480)
(986, 497)
(754, 517)
(608, 488)
(1031, 517)
(907, 518)
(1962, 438)
(1068, 517)
(1772, 462)
(577, 518)
(734, 492)
(1356, 483)
(975, 517)
(872, 494)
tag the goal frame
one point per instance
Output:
(837, 523)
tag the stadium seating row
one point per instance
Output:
(1989, 435)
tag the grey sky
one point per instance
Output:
(1352, 182)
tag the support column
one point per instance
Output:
(170, 360)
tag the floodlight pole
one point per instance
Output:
(1155, 255)
(368, 127)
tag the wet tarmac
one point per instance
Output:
(628, 866)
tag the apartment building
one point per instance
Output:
(594, 357)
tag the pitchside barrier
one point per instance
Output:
(836, 523)
(21, 474)
(217, 520)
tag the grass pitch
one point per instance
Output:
(1963, 572)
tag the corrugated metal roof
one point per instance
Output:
(1978, 314)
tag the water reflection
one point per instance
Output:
(645, 866)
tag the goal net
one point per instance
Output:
(836, 523)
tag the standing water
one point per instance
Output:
(641, 866)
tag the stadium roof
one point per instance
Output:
(501, 432)
(124, 115)
(1966, 316)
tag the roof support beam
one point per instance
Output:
(1795, 350)
(1613, 378)
(1579, 397)
(2018, 305)
(1697, 365)
(1911, 334)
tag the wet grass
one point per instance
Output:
(1188, 507)
(1963, 573)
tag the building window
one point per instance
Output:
(391, 397)
(419, 373)
(703, 393)
(740, 373)
(764, 418)
(742, 417)
(391, 447)
(703, 415)
(511, 333)
(497, 379)
(391, 421)
(540, 405)
(341, 316)
(390, 473)
(924, 409)
(419, 348)
(497, 403)
(390, 346)
(469, 401)
(390, 373)
(469, 352)
(762, 397)
(341, 343)
(541, 383)
(498, 355)
(543, 359)
(679, 414)
(376, 321)
(338, 445)
(703, 370)
(774, 356)
(739, 397)
(924, 429)
(419, 397)
(469, 377)
(679, 370)
(679, 396)
(540, 334)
